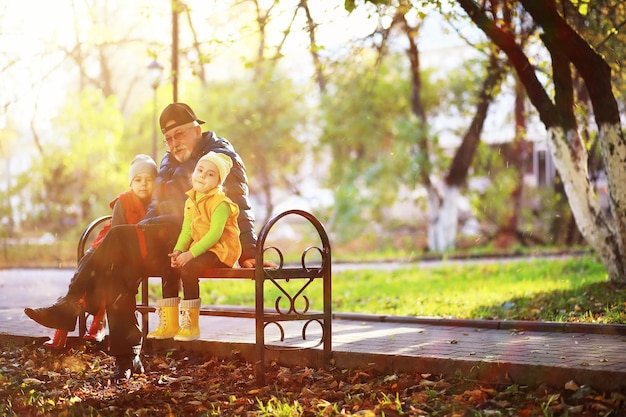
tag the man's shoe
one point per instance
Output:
(125, 367)
(61, 315)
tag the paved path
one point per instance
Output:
(519, 352)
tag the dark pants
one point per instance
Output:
(122, 259)
(170, 282)
(197, 267)
(86, 285)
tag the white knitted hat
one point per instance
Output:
(142, 164)
(221, 161)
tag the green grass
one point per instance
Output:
(61, 255)
(535, 290)
(570, 290)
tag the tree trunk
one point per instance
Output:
(320, 78)
(508, 232)
(583, 202)
(607, 237)
(443, 218)
(443, 230)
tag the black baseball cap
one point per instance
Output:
(180, 114)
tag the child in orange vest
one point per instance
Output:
(128, 208)
(209, 238)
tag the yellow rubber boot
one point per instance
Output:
(189, 320)
(167, 310)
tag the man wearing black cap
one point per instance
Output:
(131, 252)
(187, 144)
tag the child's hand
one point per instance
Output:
(173, 258)
(178, 259)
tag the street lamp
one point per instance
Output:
(155, 71)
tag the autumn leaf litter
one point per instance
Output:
(35, 381)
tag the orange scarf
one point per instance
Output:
(134, 212)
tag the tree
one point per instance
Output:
(443, 190)
(443, 231)
(368, 125)
(7, 147)
(512, 206)
(77, 175)
(262, 111)
(569, 50)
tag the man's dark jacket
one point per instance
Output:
(174, 180)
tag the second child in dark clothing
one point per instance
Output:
(129, 207)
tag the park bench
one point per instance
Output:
(314, 268)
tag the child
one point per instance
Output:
(128, 208)
(209, 238)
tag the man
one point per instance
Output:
(130, 251)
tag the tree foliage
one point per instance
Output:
(83, 168)
(373, 150)
(368, 132)
(573, 56)
(264, 121)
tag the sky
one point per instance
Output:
(28, 37)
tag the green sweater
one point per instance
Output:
(218, 221)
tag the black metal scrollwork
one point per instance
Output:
(305, 327)
(293, 302)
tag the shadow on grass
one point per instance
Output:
(601, 302)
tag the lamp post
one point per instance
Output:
(155, 71)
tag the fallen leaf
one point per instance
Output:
(31, 381)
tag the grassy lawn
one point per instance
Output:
(568, 290)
